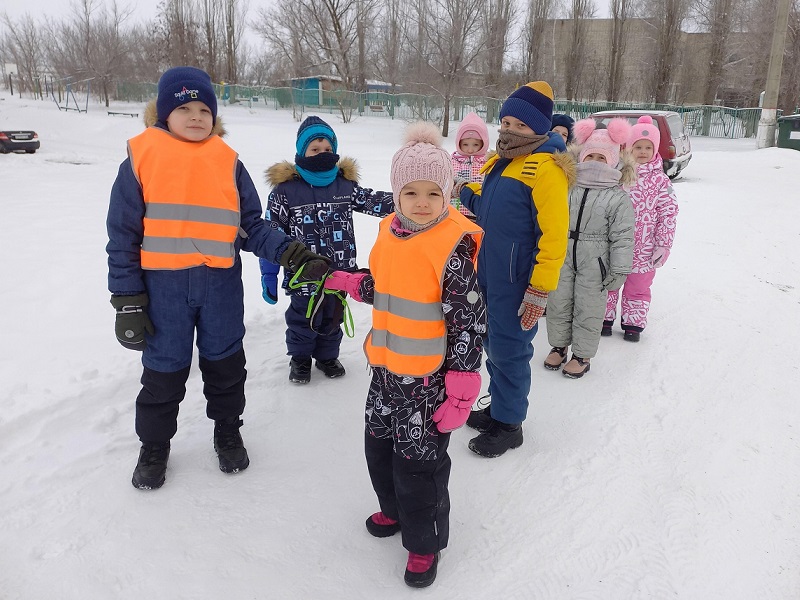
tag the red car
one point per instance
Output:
(675, 148)
(18, 141)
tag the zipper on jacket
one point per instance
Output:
(603, 271)
(573, 235)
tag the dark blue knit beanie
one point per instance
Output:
(532, 104)
(314, 128)
(565, 121)
(181, 85)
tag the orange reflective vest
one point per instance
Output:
(191, 200)
(409, 333)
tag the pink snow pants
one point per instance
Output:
(635, 301)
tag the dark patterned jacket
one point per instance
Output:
(321, 217)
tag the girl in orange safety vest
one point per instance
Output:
(425, 346)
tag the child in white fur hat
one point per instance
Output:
(425, 347)
(600, 249)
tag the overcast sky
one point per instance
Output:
(145, 9)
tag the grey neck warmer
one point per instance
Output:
(413, 227)
(597, 175)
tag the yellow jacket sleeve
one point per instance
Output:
(549, 195)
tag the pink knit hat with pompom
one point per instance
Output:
(421, 158)
(645, 129)
(598, 140)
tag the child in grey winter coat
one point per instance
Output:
(600, 249)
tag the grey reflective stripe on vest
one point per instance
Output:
(408, 309)
(409, 346)
(187, 246)
(198, 214)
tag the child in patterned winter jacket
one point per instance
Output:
(656, 211)
(600, 249)
(425, 346)
(313, 201)
(472, 143)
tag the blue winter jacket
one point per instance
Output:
(320, 217)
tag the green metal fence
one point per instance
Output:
(711, 121)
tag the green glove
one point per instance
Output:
(296, 255)
(132, 321)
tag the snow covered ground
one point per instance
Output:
(670, 471)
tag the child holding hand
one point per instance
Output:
(656, 211)
(425, 346)
(599, 250)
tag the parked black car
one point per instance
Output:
(18, 141)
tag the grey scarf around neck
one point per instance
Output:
(597, 175)
(511, 145)
(413, 227)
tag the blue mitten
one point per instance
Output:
(269, 288)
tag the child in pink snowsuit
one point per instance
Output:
(472, 142)
(656, 211)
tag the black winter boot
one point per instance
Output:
(632, 336)
(150, 471)
(332, 368)
(300, 370)
(480, 419)
(229, 446)
(380, 526)
(608, 329)
(499, 438)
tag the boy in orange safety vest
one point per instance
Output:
(181, 209)
(428, 322)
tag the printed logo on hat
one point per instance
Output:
(193, 94)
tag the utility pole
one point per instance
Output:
(769, 111)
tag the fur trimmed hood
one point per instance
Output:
(568, 164)
(151, 118)
(627, 165)
(285, 171)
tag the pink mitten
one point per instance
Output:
(346, 282)
(660, 256)
(461, 390)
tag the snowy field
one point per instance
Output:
(672, 470)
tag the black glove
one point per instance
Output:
(132, 321)
(296, 255)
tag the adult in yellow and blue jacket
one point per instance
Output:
(522, 207)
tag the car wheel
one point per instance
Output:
(30, 151)
(3, 150)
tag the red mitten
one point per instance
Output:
(346, 282)
(461, 390)
(532, 307)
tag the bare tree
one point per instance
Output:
(451, 29)
(667, 21)
(538, 13)
(715, 17)
(24, 43)
(391, 33)
(211, 11)
(620, 13)
(580, 12)
(496, 23)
